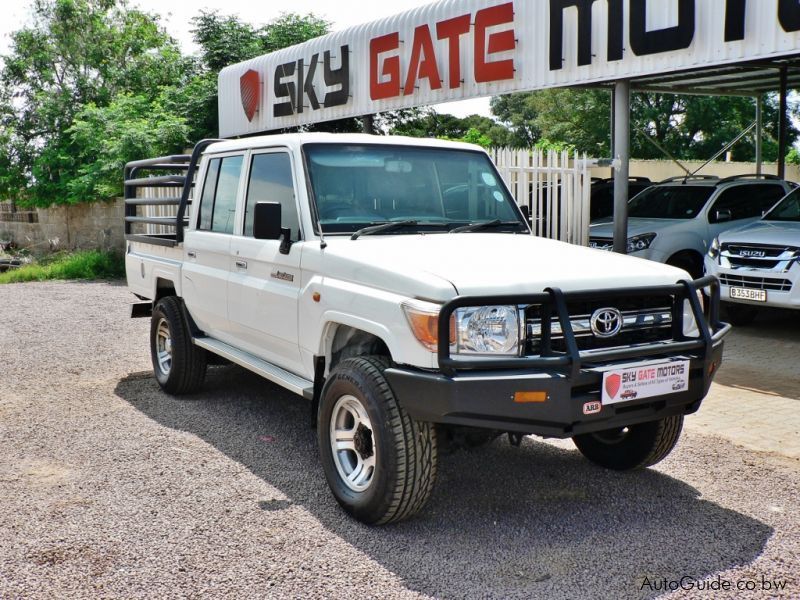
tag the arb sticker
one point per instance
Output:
(591, 408)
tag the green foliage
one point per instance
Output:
(75, 54)
(688, 127)
(91, 84)
(475, 129)
(547, 145)
(84, 264)
(793, 157)
(105, 138)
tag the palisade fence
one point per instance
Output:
(554, 186)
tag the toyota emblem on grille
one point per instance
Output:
(606, 322)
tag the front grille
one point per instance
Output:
(759, 257)
(756, 283)
(645, 321)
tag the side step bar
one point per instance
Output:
(275, 374)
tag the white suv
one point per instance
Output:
(758, 264)
(674, 222)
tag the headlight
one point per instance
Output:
(690, 329)
(640, 242)
(487, 330)
(713, 249)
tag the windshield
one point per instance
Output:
(358, 185)
(670, 202)
(787, 209)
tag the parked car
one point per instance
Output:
(675, 221)
(394, 284)
(758, 264)
(602, 195)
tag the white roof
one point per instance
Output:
(295, 140)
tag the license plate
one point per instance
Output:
(748, 294)
(637, 382)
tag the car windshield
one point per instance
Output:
(670, 202)
(787, 209)
(357, 185)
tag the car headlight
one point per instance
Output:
(487, 330)
(640, 242)
(690, 328)
(713, 249)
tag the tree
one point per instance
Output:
(428, 123)
(688, 127)
(76, 53)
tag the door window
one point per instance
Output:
(746, 201)
(218, 202)
(271, 181)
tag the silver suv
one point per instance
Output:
(675, 221)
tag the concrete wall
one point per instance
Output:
(658, 170)
(92, 225)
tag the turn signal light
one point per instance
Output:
(529, 397)
(425, 326)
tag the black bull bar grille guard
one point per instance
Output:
(554, 300)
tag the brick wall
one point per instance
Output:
(91, 225)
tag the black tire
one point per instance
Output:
(404, 451)
(688, 263)
(187, 363)
(633, 447)
(740, 314)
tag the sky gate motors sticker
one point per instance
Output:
(645, 381)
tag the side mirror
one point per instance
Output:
(526, 212)
(724, 215)
(267, 221)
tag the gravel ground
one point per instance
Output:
(109, 488)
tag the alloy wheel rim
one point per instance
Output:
(353, 443)
(163, 347)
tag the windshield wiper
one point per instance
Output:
(484, 225)
(388, 226)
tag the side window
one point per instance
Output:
(271, 181)
(209, 189)
(746, 201)
(218, 203)
(768, 197)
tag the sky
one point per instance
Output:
(176, 15)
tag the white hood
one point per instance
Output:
(440, 266)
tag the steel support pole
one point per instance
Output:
(622, 152)
(759, 135)
(782, 127)
(611, 129)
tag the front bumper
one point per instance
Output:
(477, 393)
(775, 284)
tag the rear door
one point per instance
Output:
(264, 284)
(207, 246)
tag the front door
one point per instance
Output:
(264, 284)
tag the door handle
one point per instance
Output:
(191, 254)
(241, 264)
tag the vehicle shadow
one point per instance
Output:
(535, 521)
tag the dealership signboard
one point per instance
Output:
(459, 49)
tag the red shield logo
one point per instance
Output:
(250, 87)
(612, 384)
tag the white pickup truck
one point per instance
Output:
(395, 284)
